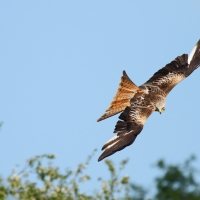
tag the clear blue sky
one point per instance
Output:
(61, 62)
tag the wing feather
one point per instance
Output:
(173, 73)
(131, 123)
(170, 75)
(194, 59)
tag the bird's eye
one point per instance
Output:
(163, 108)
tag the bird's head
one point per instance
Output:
(161, 105)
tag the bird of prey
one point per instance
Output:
(138, 103)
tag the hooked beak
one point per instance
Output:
(160, 111)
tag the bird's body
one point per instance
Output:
(138, 103)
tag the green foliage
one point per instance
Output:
(178, 181)
(139, 192)
(40, 180)
(51, 184)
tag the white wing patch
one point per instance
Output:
(113, 138)
(110, 145)
(192, 54)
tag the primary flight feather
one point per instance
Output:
(138, 103)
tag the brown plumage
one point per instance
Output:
(126, 90)
(138, 103)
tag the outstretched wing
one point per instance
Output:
(174, 72)
(131, 123)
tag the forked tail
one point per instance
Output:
(126, 90)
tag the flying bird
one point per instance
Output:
(138, 103)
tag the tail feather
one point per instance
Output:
(126, 90)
